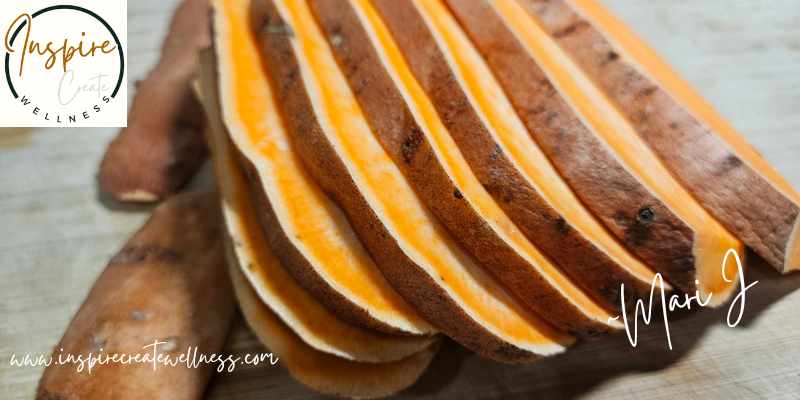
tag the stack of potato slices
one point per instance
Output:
(514, 174)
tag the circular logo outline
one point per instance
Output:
(75, 8)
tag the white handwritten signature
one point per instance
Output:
(674, 302)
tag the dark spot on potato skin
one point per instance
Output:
(457, 194)
(570, 29)
(585, 333)
(262, 25)
(538, 110)
(411, 144)
(561, 225)
(730, 162)
(496, 153)
(638, 228)
(613, 295)
(622, 219)
(647, 91)
(146, 253)
(274, 26)
(47, 395)
(292, 77)
(646, 216)
(637, 235)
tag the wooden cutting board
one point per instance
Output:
(57, 232)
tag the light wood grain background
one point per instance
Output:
(57, 232)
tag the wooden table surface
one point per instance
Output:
(57, 232)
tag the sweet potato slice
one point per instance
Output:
(162, 146)
(307, 231)
(168, 284)
(301, 312)
(413, 249)
(627, 188)
(319, 370)
(507, 163)
(430, 160)
(705, 154)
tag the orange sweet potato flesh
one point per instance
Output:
(162, 147)
(169, 283)
(616, 177)
(725, 174)
(306, 316)
(322, 371)
(414, 250)
(307, 231)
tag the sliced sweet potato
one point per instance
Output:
(162, 146)
(413, 249)
(301, 312)
(319, 370)
(506, 164)
(705, 154)
(307, 231)
(168, 284)
(635, 197)
(430, 160)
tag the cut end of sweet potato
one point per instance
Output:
(792, 262)
(712, 278)
(139, 196)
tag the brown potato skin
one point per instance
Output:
(664, 242)
(738, 197)
(169, 282)
(399, 133)
(162, 146)
(318, 155)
